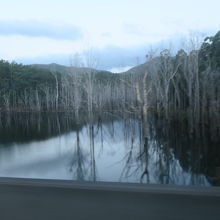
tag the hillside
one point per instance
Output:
(63, 69)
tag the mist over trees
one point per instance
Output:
(181, 85)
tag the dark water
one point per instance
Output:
(106, 148)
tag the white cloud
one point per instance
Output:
(122, 23)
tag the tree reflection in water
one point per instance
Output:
(78, 163)
(107, 147)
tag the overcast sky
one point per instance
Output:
(45, 31)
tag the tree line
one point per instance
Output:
(184, 84)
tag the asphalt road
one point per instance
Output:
(28, 199)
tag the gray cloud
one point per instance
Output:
(112, 56)
(108, 57)
(132, 29)
(106, 34)
(39, 29)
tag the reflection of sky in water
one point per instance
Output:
(118, 157)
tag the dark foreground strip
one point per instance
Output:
(57, 199)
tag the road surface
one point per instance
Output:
(29, 199)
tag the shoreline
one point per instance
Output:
(113, 186)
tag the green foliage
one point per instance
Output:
(209, 54)
(17, 76)
(17, 79)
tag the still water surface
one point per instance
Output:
(108, 148)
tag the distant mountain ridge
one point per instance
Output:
(71, 69)
(139, 69)
(63, 69)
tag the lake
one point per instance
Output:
(107, 147)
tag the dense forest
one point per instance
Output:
(185, 85)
